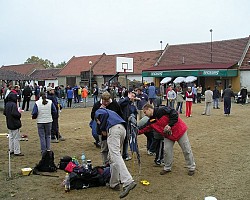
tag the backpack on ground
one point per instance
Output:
(83, 178)
(64, 161)
(46, 164)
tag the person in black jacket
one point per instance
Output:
(128, 107)
(55, 134)
(13, 120)
(26, 94)
(105, 102)
(216, 96)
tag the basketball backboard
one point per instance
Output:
(124, 64)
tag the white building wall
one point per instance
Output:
(245, 79)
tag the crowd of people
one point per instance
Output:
(112, 108)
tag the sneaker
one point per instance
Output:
(157, 162)
(97, 144)
(54, 141)
(191, 173)
(127, 158)
(116, 188)
(61, 138)
(20, 154)
(163, 172)
(151, 153)
(127, 189)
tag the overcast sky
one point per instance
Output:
(59, 29)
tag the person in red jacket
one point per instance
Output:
(166, 121)
(189, 101)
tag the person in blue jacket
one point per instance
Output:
(111, 124)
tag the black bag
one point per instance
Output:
(64, 161)
(47, 164)
(83, 178)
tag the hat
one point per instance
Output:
(50, 88)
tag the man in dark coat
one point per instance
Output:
(13, 120)
(26, 94)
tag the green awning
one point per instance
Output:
(198, 73)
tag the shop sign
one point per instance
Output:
(211, 73)
(155, 74)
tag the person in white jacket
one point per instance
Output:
(208, 101)
(43, 111)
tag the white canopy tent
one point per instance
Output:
(179, 80)
(166, 80)
(190, 79)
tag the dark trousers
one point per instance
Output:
(69, 103)
(55, 129)
(26, 100)
(198, 97)
(150, 138)
(227, 105)
(159, 148)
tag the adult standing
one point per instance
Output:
(194, 90)
(199, 93)
(179, 99)
(43, 111)
(166, 121)
(75, 89)
(189, 102)
(162, 91)
(36, 91)
(171, 96)
(84, 96)
(216, 96)
(243, 93)
(55, 135)
(208, 101)
(128, 107)
(27, 93)
(113, 126)
(141, 100)
(62, 96)
(95, 93)
(152, 93)
(105, 102)
(70, 95)
(13, 120)
(227, 95)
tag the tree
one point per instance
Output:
(61, 65)
(35, 59)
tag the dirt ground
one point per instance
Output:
(220, 146)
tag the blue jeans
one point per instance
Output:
(216, 103)
(179, 107)
(95, 98)
(62, 102)
(44, 132)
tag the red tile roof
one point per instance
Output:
(46, 74)
(194, 67)
(76, 65)
(197, 54)
(13, 75)
(142, 61)
(25, 69)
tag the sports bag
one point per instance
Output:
(46, 164)
(83, 178)
(64, 161)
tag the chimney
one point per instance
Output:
(183, 60)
